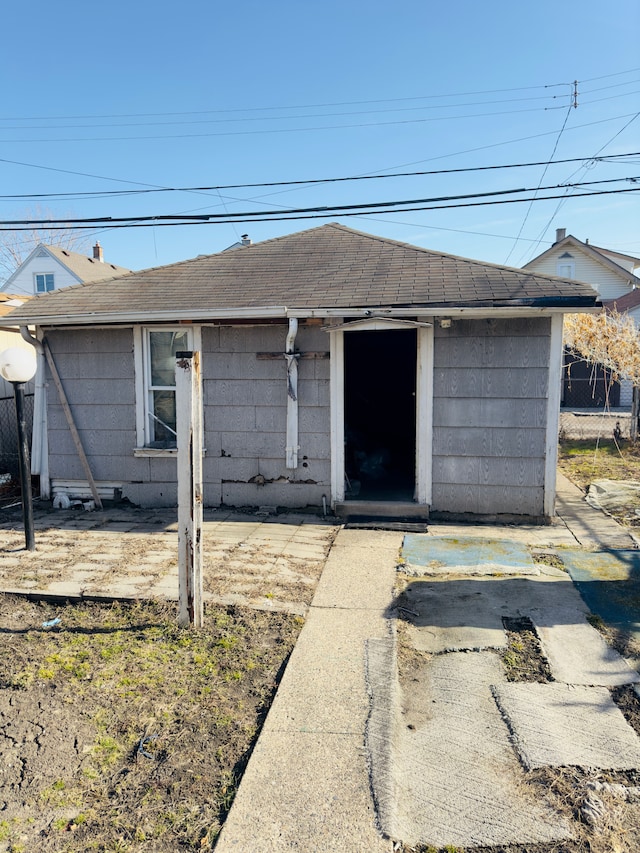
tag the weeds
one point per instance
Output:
(122, 673)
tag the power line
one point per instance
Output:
(575, 172)
(280, 117)
(312, 181)
(544, 172)
(290, 106)
(276, 130)
(311, 212)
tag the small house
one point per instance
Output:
(338, 367)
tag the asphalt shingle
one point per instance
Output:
(331, 266)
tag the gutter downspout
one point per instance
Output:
(39, 438)
(292, 357)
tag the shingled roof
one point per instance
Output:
(86, 267)
(330, 268)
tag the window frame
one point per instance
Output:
(45, 276)
(144, 387)
(566, 262)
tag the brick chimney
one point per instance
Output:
(246, 240)
(97, 252)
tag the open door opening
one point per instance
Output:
(380, 415)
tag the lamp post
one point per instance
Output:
(18, 366)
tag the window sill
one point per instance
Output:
(155, 451)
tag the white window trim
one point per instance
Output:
(566, 264)
(35, 282)
(141, 376)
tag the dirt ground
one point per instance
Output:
(121, 732)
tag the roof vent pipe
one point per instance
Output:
(561, 233)
(97, 252)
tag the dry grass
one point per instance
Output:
(124, 732)
(585, 461)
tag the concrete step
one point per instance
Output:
(382, 510)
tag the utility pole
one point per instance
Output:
(189, 441)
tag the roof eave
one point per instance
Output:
(495, 309)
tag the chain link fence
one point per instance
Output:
(9, 450)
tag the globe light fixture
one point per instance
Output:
(18, 366)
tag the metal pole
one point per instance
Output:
(25, 467)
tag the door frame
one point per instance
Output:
(424, 402)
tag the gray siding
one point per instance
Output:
(96, 369)
(246, 412)
(489, 416)
(245, 406)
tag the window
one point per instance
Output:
(159, 353)
(44, 282)
(566, 266)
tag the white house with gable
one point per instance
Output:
(614, 275)
(51, 268)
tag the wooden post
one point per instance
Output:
(189, 440)
(71, 424)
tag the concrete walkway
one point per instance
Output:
(311, 784)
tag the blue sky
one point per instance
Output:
(142, 95)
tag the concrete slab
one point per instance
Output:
(425, 554)
(590, 527)
(609, 582)
(577, 653)
(304, 792)
(456, 778)
(560, 725)
(360, 571)
(327, 663)
(439, 621)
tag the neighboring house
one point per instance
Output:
(51, 268)
(614, 276)
(422, 379)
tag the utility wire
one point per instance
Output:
(544, 172)
(323, 211)
(311, 181)
(397, 166)
(539, 86)
(583, 168)
(275, 130)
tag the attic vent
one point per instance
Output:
(566, 255)
(42, 253)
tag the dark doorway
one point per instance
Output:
(380, 415)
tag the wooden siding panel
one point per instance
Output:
(476, 441)
(96, 419)
(491, 382)
(91, 341)
(489, 413)
(474, 353)
(242, 392)
(487, 500)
